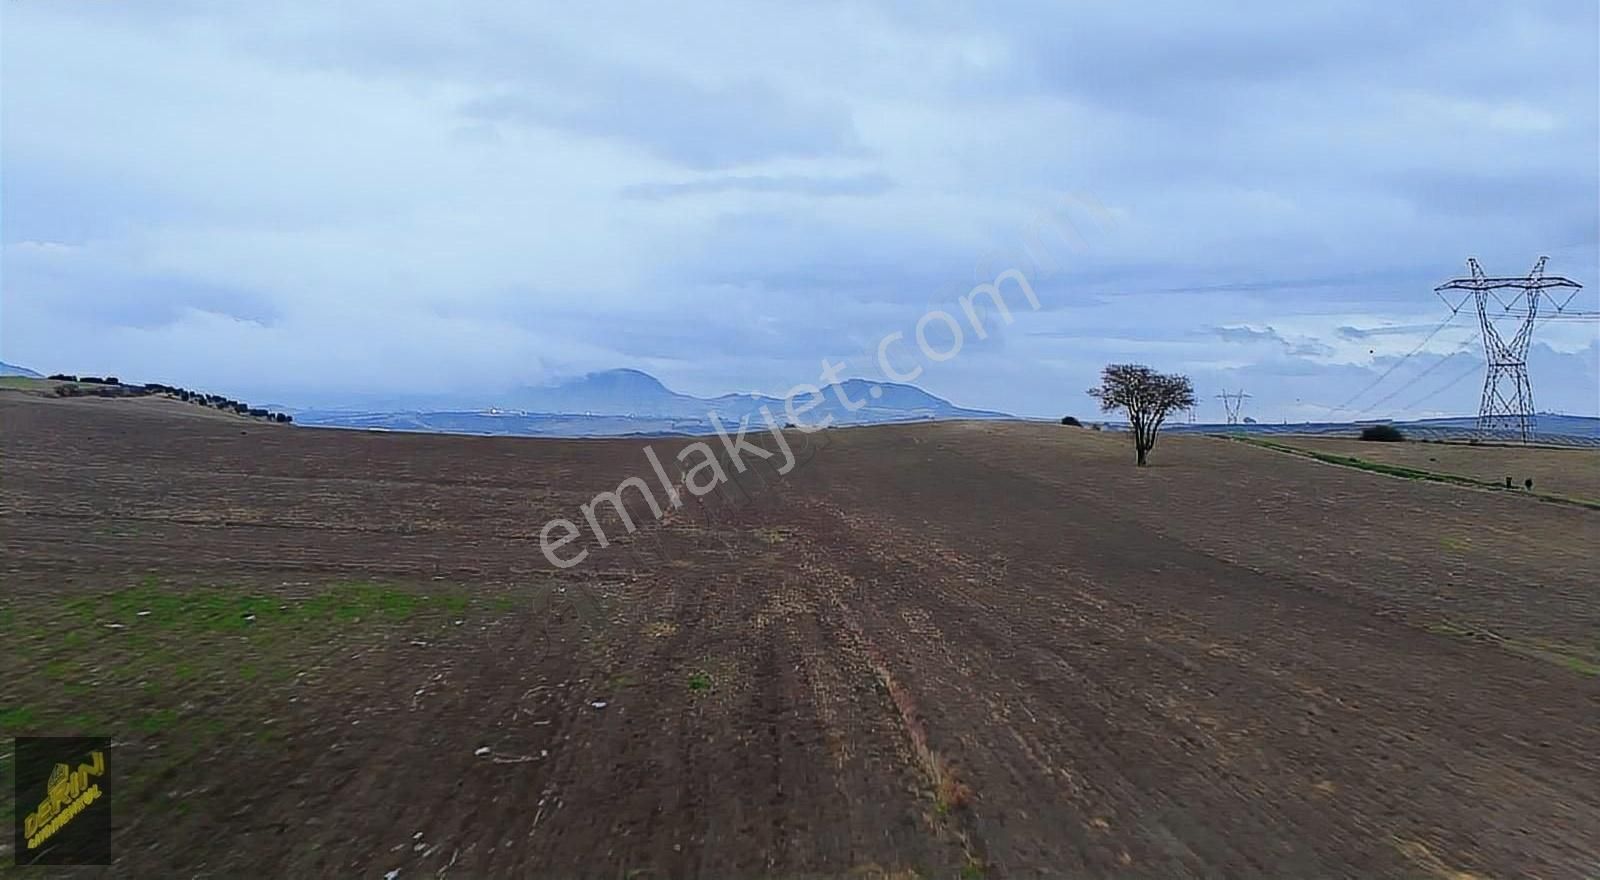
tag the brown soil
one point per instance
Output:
(935, 650)
(1574, 473)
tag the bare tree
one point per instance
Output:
(1148, 397)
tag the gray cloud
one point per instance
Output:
(307, 195)
(699, 127)
(1246, 334)
(1298, 347)
(1359, 333)
(763, 184)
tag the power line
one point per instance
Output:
(1564, 317)
(1418, 377)
(1396, 365)
(1471, 369)
(1543, 320)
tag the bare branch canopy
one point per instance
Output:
(1147, 396)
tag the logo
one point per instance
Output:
(63, 807)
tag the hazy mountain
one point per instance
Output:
(609, 393)
(633, 402)
(640, 395)
(14, 370)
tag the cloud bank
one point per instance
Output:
(314, 202)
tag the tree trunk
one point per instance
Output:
(1142, 453)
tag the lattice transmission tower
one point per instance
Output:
(1507, 392)
(1233, 402)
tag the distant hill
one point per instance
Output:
(609, 393)
(14, 370)
(617, 402)
(1547, 427)
(639, 395)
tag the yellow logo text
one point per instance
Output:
(68, 793)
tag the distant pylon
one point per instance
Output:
(1233, 402)
(1507, 393)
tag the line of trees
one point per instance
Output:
(109, 386)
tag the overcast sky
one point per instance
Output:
(311, 202)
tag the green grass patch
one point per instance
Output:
(16, 717)
(1565, 655)
(1578, 664)
(184, 671)
(503, 603)
(149, 606)
(27, 383)
(122, 661)
(158, 720)
(699, 682)
(85, 722)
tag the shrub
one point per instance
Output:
(1070, 421)
(63, 377)
(1382, 433)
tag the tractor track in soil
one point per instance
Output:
(990, 648)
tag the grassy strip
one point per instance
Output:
(174, 673)
(28, 383)
(1410, 473)
(1551, 652)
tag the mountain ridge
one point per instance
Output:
(630, 401)
(14, 370)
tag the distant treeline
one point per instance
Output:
(110, 386)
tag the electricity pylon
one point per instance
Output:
(1507, 392)
(1232, 402)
